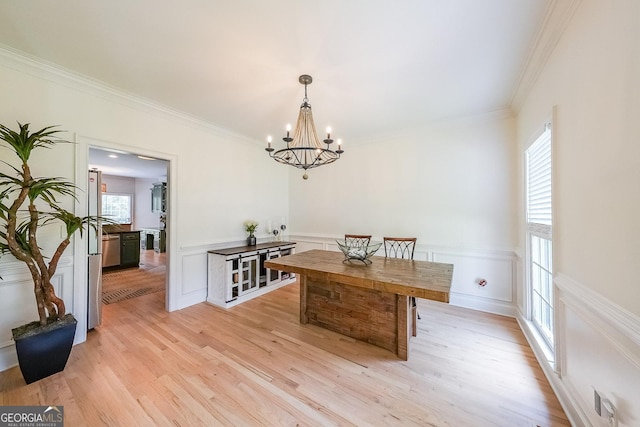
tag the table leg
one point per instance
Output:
(303, 300)
(414, 317)
(404, 326)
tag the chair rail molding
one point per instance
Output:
(18, 305)
(618, 326)
(471, 265)
(597, 347)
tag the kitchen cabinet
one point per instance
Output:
(158, 197)
(130, 249)
(236, 275)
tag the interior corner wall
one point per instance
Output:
(219, 178)
(448, 185)
(592, 79)
(451, 185)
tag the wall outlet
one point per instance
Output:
(597, 402)
(605, 408)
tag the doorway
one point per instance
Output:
(134, 192)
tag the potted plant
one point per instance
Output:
(27, 204)
(250, 227)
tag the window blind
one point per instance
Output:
(538, 159)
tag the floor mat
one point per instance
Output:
(117, 295)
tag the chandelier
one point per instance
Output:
(304, 150)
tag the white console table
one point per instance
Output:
(238, 274)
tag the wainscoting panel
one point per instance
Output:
(307, 245)
(193, 282)
(469, 272)
(600, 350)
(16, 286)
(497, 267)
(191, 287)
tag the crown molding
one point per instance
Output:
(557, 18)
(37, 67)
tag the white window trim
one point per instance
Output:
(543, 231)
(131, 206)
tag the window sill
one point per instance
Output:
(541, 346)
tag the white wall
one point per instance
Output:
(143, 216)
(592, 77)
(119, 184)
(213, 190)
(451, 185)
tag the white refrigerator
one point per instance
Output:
(94, 279)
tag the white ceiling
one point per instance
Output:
(379, 66)
(120, 163)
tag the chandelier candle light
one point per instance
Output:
(304, 150)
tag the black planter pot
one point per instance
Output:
(44, 350)
(251, 241)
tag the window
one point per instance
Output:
(117, 207)
(539, 234)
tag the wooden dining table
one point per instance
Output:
(370, 302)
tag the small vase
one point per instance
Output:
(251, 240)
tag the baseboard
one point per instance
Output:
(569, 405)
(483, 304)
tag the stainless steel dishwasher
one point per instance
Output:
(110, 250)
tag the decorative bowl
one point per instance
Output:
(360, 253)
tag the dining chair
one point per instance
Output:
(403, 247)
(399, 247)
(356, 240)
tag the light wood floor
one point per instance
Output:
(151, 271)
(256, 365)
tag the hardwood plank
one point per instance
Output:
(255, 364)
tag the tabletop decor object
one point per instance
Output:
(358, 253)
(250, 227)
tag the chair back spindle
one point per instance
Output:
(399, 247)
(359, 240)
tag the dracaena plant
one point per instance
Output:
(28, 203)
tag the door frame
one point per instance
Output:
(82, 145)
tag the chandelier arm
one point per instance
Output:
(295, 154)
